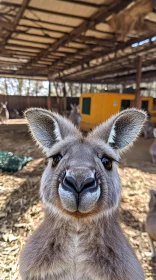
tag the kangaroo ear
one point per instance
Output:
(48, 128)
(121, 130)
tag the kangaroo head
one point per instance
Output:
(81, 178)
(74, 108)
(4, 105)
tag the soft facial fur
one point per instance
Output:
(80, 237)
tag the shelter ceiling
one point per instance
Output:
(76, 40)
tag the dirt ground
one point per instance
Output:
(21, 209)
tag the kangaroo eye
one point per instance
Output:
(56, 160)
(107, 163)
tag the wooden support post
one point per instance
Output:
(137, 101)
(64, 98)
(81, 89)
(49, 97)
(27, 101)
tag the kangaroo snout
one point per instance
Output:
(79, 192)
(70, 184)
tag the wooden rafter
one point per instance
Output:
(75, 50)
(22, 8)
(96, 18)
(121, 46)
(30, 8)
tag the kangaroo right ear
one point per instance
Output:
(48, 128)
(121, 130)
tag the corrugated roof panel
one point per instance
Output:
(8, 47)
(52, 18)
(52, 26)
(104, 27)
(97, 34)
(77, 45)
(63, 7)
(70, 50)
(33, 38)
(43, 33)
(29, 44)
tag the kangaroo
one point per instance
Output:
(14, 114)
(152, 149)
(80, 237)
(151, 223)
(4, 114)
(148, 129)
(75, 116)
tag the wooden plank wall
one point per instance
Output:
(21, 103)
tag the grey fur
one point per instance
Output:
(148, 129)
(151, 223)
(152, 149)
(75, 116)
(81, 239)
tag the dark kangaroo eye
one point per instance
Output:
(107, 162)
(56, 160)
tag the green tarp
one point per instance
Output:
(12, 162)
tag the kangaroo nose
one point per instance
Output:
(70, 184)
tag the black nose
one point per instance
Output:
(70, 184)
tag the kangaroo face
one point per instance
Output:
(81, 177)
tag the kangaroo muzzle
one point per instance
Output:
(79, 190)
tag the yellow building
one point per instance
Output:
(98, 107)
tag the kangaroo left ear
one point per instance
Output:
(121, 130)
(48, 128)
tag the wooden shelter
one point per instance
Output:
(77, 40)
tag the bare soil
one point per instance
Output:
(21, 209)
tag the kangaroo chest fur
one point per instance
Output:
(78, 252)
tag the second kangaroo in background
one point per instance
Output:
(151, 223)
(75, 116)
(4, 113)
(152, 149)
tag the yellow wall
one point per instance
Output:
(103, 105)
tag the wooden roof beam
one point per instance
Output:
(97, 17)
(100, 16)
(42, 29)
(97, 55)
(49, 12)
(93, 40)
(39, 21)
(22, 8)
(6, 25)
(33, 34)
